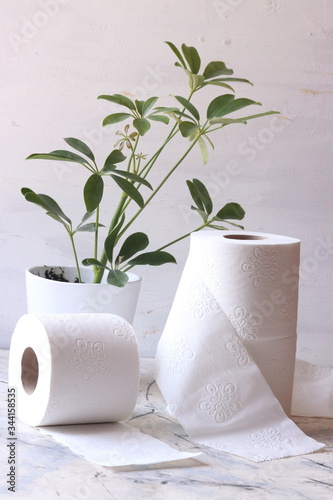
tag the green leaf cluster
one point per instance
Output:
(116, 249)
(140, 112)
(203, 205)
(214, 73)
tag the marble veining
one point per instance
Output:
(46, 469)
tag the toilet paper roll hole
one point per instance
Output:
(29, 370)
(244, 237)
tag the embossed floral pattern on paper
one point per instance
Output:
(59, 318)
(270, 438)
(245, 323)
(220, 401)
(88, 357)
(123, 330)
(176, 356)
(289, 311)
(235, 346)
(262, 266)
(201, 302)
(220, 445)
(208, 272)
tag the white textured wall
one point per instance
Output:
(57, 56)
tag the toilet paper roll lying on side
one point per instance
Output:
(83, 369)
(74, 368)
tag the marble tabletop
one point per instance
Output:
(48, 470)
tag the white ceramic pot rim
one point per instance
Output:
(45, 296)
(70, 273)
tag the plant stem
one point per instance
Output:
(146, 169)
(159, 186)
(205, 224)
(124, 201)
(132, 157)
(71, 237)
(100, 271)
(96, 233)
(149, 165)
(96, 238)
(183, 237)
(170, 136)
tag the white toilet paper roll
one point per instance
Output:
(74, 368)
(256, 286)
(225, 361)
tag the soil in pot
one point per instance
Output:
(50, 274)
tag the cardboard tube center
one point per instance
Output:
(244, 237)
(29, 370)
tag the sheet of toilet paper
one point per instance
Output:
(77, 378)
(114, 444)
(226, 358)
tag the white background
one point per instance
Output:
(57, 56)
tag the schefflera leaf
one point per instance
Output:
(132, 245)
(192, 57)
(80, 146)
(116, 118)
(232, 211)
(216, 68)
(142, 125)
(90, 227)
(47, 203)
(58, 155)
(225, 104)
(110, 240)
(117, 278)
(189, 106)
(90, 261)
(114, 157)
(119, 99)
(200, 195)
(129, 189)
(156, 258)
(93, 192)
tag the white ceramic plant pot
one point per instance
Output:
(45, 296)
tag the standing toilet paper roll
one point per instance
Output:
(225, 361)
(74, 368)
(256, 286)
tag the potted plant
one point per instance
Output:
(115, 249)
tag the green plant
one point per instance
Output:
(185, 121)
